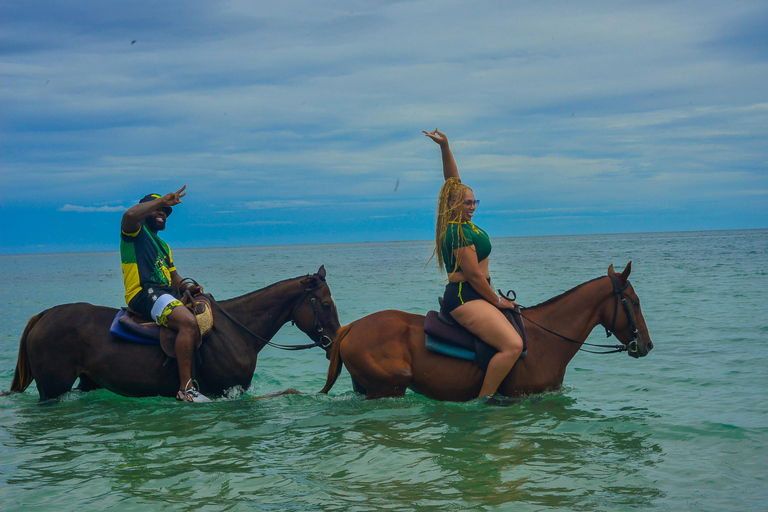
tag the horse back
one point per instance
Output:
(70, 340)
(388, 328)
(386, 353)
(70, 335)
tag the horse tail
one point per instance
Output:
(334, 368)
(22, 377)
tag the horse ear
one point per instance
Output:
(321, 272)
(610, 270)
(625, 275)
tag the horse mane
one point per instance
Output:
(564, 294)
(265, 289)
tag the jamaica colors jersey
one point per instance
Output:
(146, 261)
(473, 235)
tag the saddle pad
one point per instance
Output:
(441, 347)
(454, 334)
(455, 341)
(124, 328)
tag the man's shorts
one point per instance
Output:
(155, 303)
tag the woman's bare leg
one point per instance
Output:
(485, 321)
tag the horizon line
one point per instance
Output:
(186, 248)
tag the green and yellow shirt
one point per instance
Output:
(473, 235)
(146, 261)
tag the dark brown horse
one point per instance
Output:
(385, 352)
(73, 340)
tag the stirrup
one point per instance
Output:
(191, 394)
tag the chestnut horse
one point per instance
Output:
(73, 340)
(385, 352)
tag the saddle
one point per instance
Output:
(445, 336)
(131, 326)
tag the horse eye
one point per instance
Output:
(636, 303)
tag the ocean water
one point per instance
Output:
(685, 428)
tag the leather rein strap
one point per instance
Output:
(322, 343)
(618, 293)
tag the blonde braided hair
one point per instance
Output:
(453, 190)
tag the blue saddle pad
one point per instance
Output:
(441, 347)
(453, 340)
(124, 328)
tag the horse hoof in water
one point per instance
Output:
(501, 400)
(289, 391)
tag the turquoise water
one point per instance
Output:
(685, 428)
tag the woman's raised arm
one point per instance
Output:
(449, 164)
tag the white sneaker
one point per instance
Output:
(191, 395)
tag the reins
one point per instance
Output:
(324, 342)
(616, 348)
(618, 293)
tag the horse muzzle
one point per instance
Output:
(637, 349)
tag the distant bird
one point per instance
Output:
(397, 184)
(133, 41)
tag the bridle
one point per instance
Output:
(324, 342)
(631, 346)
(618, 293)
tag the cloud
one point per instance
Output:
(243, 223)
(270, 205)
(283, 108)
(84, 209)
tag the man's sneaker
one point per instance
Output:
(191, 395)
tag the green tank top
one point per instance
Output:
(473, 235)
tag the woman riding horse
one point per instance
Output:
(463, 251)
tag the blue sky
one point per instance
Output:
(300, 121)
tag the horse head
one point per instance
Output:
(630, 327)
(315, 313)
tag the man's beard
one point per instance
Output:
(153, 225)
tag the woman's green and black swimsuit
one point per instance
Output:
(459, 293)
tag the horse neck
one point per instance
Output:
(265, 311)
(574, 315)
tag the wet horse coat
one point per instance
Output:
(73, 340)
(385, 352)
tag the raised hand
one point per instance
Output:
(437, 136)
(174, 198)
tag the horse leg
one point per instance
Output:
(86, 384)
(53, 383)
(378, 359)
(383, 378)
(53, 352)
(55, 372)
(357, 388)
(289, 391)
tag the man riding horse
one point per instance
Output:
(152, 284)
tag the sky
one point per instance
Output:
(300, 122)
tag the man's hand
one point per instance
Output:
(174, 198)
(195, 289)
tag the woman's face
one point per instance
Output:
(468, 207)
